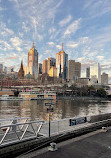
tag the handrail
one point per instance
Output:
(17, 124)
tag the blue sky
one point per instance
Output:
(84, 26)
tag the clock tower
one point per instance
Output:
(33, 57)
(32, 67)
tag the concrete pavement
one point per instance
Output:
(96, 144)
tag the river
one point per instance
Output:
(63, 108)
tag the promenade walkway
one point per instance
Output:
(23, 136)
(96, 144)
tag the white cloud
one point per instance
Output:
(72, 28)
(100, 57)
(65, 21)
(40, 37)
(81, 59)
(25, 28)
(21, 35)
(50, 43)
(72, 44)
(52, 30)
(40, 58)
(16, 41)
(58, 46)
(5, 31)
(97, 8)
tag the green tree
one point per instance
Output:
(101, 92)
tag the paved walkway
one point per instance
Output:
(93, 145)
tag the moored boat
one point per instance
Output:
(36, 95)
(6, 97)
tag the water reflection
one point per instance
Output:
(62, 108)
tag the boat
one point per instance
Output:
(6, 97)
(37, 95)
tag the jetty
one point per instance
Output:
(21, 135)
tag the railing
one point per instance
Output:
(21, 129)
(59, 126)
(17, 132)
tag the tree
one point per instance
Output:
(101, 92)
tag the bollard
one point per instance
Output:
(14, 122)
(104, 129)
(52, 147)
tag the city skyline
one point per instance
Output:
(83, 26)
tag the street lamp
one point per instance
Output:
(49, 109)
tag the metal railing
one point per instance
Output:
(19, 131)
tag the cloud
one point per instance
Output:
(52, 30)
(72, 44)
(97, 8)
(100, 57)
(40, 58)
(58, 46)
(65, 21)
(25, 28)
(50, 43)
(5, 31)
(40, 37)
(38, 14)
(13, 57)
(72, 28)
(21, 35)
(5, 45)
(81, 59)
(16, 41)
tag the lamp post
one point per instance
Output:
(49, 109)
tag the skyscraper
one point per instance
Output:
(62, 64)
(39, 68)
(32, 67)
(104, 78)
(88, 72)
(45, 66)
(95, 73)
(74, 70)
(50, 62)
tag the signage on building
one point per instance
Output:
(77, 121)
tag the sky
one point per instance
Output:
(84, 26)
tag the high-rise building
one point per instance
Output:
(39, 68)
(74, 70)
(44, 66)
(21, 71)
(32, 67)
(62, 64)
(50, 62)
(95, 73)
(1, 68)
(53, 72)
(104, 78)
(88, 72)
(5, 69)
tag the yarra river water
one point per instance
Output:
(63, 108)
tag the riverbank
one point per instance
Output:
(83, 98)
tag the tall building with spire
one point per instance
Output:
(32, 67)
(21, 71)
(62, 64)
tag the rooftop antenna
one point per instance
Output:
(62, 46)
(33, 45)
